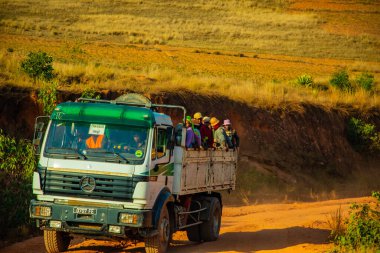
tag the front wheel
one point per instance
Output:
(56, 241)
(160, 242)
(210, 229)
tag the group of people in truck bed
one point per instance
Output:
(210, 133)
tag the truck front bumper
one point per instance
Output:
(105, 221)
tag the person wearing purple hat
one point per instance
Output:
(231, 134)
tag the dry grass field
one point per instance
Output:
(251, 51)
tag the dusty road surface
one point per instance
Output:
(297, 227)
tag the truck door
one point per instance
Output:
(161, 164)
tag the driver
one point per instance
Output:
(136, 144)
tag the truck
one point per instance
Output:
(119, 169)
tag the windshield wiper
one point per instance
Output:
(77, 154)
(123, 158)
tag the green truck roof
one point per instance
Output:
(104, 113)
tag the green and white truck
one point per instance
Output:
(119, 169)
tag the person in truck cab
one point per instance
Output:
(221, 140)
(136, 144)
(96, 141)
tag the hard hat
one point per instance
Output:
(206, 119)
(214, 121)
(188, 118)
(197, 115)
(226, 122)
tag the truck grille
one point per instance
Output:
(107, 187)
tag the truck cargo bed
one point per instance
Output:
(205, 171)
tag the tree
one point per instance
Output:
(38, 65)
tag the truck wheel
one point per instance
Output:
(194, 233)
(160, 242)
(56, 241)
(210, 229)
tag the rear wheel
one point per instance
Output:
(210, 229)
(56, 241)
(160, 242)
(194, 233)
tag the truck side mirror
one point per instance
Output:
(39, 126)
(39, 132)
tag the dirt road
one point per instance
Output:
(297, 227)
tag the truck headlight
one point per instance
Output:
(44, 211)
(129, 218)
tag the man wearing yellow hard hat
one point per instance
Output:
(221, 140)
(205, 132)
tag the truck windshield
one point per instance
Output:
(97, 142)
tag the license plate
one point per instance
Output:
(83, 210)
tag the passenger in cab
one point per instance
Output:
(96, 142)
(231, 133)
(206, 133)
(221, 140)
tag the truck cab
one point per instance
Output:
(118, 169)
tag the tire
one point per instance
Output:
(210, 229)
(194, 234)
(56, 241)
(160, 242)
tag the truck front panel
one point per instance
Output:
(79, 217)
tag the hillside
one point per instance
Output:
(250, 51)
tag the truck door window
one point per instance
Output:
(169, 138)
(154, 153)
(161, 142)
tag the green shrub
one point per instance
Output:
(366, 81)
(47, 96)
(38, 65)
(341, 81)
(363, 228)
(363, 136)
(90, 93)
(305, 80)
(17, 163)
